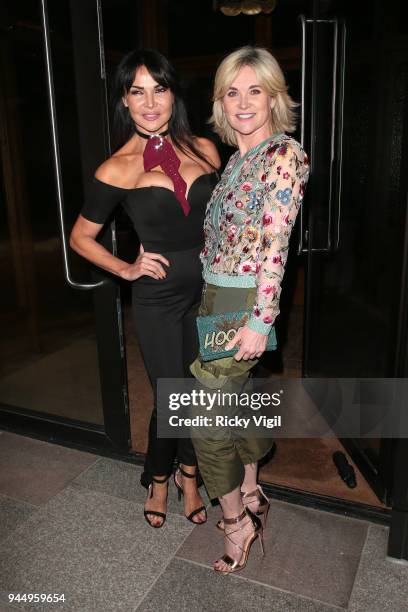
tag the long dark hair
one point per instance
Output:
(165, 74)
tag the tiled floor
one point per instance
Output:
(72, 523)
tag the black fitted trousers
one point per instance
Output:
(165, 314)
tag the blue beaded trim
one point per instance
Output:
(224, 280)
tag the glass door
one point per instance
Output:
(352, 229)
(63, 361)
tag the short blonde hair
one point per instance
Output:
(270, 76)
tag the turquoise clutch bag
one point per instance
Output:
(215, 331)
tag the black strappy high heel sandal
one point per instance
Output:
(180, 492)
(155, 512)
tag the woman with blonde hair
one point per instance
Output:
(248, 224)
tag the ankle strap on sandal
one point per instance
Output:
(258, 494)
(250, 494)
(235, 519)
(186, 474)
(160, 480)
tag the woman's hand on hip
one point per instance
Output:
(251, 344)
(146, 264)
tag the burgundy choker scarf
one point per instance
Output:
(159, 152)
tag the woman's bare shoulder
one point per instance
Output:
(121, 169)
(208, 149)
(111, 171)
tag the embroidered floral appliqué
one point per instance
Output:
(283, 195)
(248, 232)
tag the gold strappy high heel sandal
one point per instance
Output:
(258, 496)
(235, 565)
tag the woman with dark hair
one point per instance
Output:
(163, 176)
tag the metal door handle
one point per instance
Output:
(341, 128)
(56, 153)
(336, 123)
(302, 19)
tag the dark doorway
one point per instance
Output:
(62, 365)
(66, 364)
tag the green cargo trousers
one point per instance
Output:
(223, 452)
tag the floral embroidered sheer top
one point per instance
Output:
(249, 220)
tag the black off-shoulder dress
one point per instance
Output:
(164, 310)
